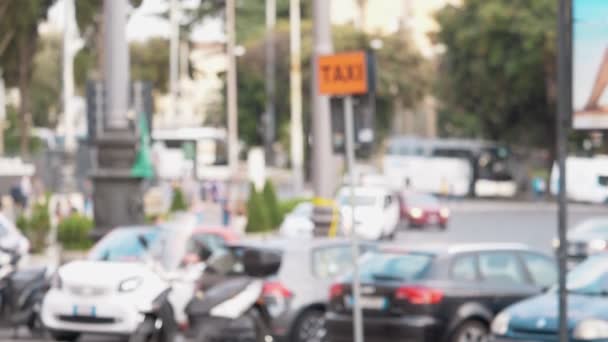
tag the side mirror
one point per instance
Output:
(143, 242)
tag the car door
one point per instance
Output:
(504, 280)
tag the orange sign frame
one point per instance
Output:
(342, 74)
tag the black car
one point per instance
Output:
(536, 319)
(437, 293)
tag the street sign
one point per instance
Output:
(343, 74)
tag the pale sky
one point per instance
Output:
(145, 22)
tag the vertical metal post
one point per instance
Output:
(323, 176)
(296, 131)
(564, 110)
(349, 128)
(233, 142)
(2, 112)
(173, 59)
(270, 116)
(116, 64)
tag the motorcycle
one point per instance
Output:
(21, 293)
(227, 304)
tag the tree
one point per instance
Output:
(18, 42)
(258, 218)
(46, 81)
(271, 201)
(498, 72)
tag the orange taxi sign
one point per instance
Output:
(342, 73)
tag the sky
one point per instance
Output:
(145, 23)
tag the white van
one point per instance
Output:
(586, 179)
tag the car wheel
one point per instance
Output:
(471, 331)
(64, 336)
(310, 327)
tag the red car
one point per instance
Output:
(420, 210)
(213, 238)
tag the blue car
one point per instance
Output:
(536, 319)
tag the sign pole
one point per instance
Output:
(564, 109)
(349, 127)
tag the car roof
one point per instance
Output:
(450, 249)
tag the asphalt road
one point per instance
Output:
(534, 224)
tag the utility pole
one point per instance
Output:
(564, 111)
(233, 142)
(295, 79)
(323, 170)
(173, 59)
(270, 115)
(2, 112)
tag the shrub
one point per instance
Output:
(258, 219)
(287, 206)
(38, 226)
(178, 203)
(271, 202)
(73, 232)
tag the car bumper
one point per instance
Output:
(108, 314)
(393, 329)
(427, 220)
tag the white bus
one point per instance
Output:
(454, 167)
(586, 179)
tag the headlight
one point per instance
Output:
(416, 213)
(444, 212)
(591, 329)
(56, 281)
(500, 325)
(597, 245)
(130, 284)
(555, 243)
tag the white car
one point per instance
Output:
(376, 212)
(107, 293)
(298, 223)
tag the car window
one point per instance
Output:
(501, 267)
(541, 268)
(328, 262)
(123, 245)
(376, 266)
(464, 268)
(213, 241)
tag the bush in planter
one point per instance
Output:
(178, 203)
(73, 232)
(38, 226)
(271, 202)
(258, 220)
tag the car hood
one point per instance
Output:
(102, 274)
(541, 313)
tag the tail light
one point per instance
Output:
(276, 289)
(419, 295)
(335, 291)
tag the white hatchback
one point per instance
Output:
(376, 212)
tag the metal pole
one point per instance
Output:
(563, 113)
(323, 169)
(116, 64)
(173, 59)
(297, 139)
(2, 112)
(270, 115)
(233, 148)
(349, 127)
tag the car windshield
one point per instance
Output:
(590, 277)
(122, 245)
(421, 199)
(376, 266)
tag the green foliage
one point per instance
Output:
(37, 226)
(287, 206)
(73, 232)
(271, 202)
(12, 135)
(498, 71)
(258, 217)
(178, 203)
(46, 81)
(149, 61)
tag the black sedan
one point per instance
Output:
(437, 294)
(536, 319)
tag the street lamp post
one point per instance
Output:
(296, 131)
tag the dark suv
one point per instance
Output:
(437, 293)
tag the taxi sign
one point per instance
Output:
(343, 73)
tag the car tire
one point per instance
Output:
(64, 336)
(471, 331)
(310, 327)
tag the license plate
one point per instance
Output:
(371, 303)
(84, 310)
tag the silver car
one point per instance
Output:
(297, 297)
(588, 238)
